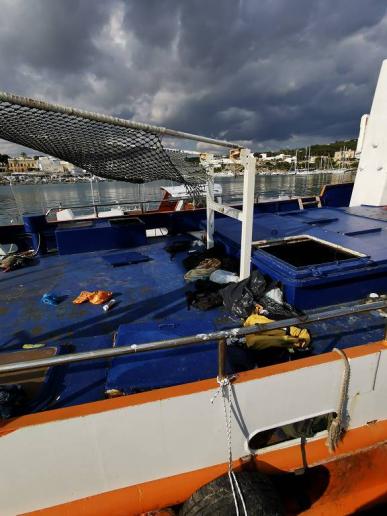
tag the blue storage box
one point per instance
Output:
(96, 235)
(317, 273)
(164, 368)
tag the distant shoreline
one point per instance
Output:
(36, 180)
(46, 181)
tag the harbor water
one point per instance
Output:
(17, 199)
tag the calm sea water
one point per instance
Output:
(19, 199)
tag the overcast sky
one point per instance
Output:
(272, 73)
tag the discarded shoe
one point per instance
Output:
(96, 298)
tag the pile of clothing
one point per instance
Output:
(203, 270)
(209, 271)
(292, 337)
(11, 262)
(205, 296)
(253, 301)
(256, 301)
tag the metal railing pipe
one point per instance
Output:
(192, 339)
(222, 346)
(107, 119)
(117, 204)
(123, 203)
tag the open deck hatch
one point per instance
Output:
(302, 251)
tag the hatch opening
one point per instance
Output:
(303, 251)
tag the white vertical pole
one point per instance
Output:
(210, 211)
(248, 160)
(371, 178)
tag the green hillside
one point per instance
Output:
(323, 149)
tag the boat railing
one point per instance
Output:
(97, 207)
(143, 206)
(220, 336)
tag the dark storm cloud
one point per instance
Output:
(51, 35)
(273, 72)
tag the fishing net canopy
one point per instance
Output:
(102, 145)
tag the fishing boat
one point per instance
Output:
(152, 405)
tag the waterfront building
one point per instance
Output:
(277, 157)
(49, 164)
(344, 155)
(22, 164)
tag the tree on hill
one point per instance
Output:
(323, 149)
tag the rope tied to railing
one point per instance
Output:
(225, 390)
(337, 427)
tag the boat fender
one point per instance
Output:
(259, 494)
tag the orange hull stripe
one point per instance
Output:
(179, 390)
(169, 491)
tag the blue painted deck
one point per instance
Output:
(153, 290)
(362, 230)
(152, 295)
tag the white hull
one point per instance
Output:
(104, 446)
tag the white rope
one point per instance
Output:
(226, 391)
(337, 427)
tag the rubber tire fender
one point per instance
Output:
(216, 499)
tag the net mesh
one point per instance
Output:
(100, 147)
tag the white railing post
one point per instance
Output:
(245, 216)
(248, 160)
(210, 210)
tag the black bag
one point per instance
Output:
(276, 310)
(240, 298)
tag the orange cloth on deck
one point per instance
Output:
(82, 298)
(100, 296)
(96, 298)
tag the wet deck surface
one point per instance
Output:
(153, 291)
(149, 291)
